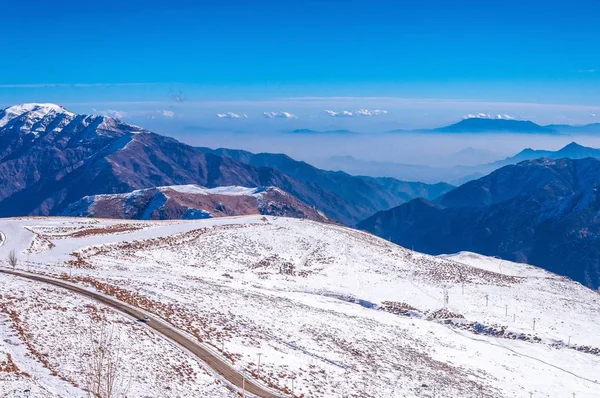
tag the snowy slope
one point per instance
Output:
(337, 310)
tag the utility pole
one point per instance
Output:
(569, 345)
(506, 310)
(533, 323)
(486, 300)
(514, 317)
(258, 371)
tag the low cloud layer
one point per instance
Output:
(502, 116)
(360, 112)
(230, 115)
(111, 113)
(374, 112)
(279, 115)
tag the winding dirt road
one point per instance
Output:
(170, 332)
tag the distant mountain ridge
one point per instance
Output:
(363, 194)
(456, 175)
(572, 151)
(543, 212)
(482, 125)
(309, 131)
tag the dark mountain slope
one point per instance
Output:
(544, 212)
(365, 195)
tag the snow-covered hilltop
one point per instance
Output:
(193, 202)
(340, 312)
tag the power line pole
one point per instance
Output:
(258, 371)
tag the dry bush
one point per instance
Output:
(12, 259)
(104, 371)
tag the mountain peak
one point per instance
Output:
(33, 111)
(573, 145)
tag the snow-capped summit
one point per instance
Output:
(35, 118)
(52, 121)
(32, 111)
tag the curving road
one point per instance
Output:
(170, 332)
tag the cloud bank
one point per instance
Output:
(502, 116)
(279, 115)
(374, 112)
(360, 112)
(230, 115)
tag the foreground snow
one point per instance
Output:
(335, 310)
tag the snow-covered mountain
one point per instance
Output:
(51, 158)
(338, 311)
(193, 202)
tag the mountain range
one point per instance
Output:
(543, 212)
(51, 158)
(455, 175)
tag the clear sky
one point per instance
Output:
(175, 65)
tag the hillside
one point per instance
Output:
(193, 202)
(542, 212)
(339, 311)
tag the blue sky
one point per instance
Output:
(173, 66)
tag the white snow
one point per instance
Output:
(35, 112)
(200, 190)
(308, 297)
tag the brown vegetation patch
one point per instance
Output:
(26, 337)
(444, 313)
(397, 307)
(9, 366)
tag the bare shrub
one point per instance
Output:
(12, 259)
(104, 373)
